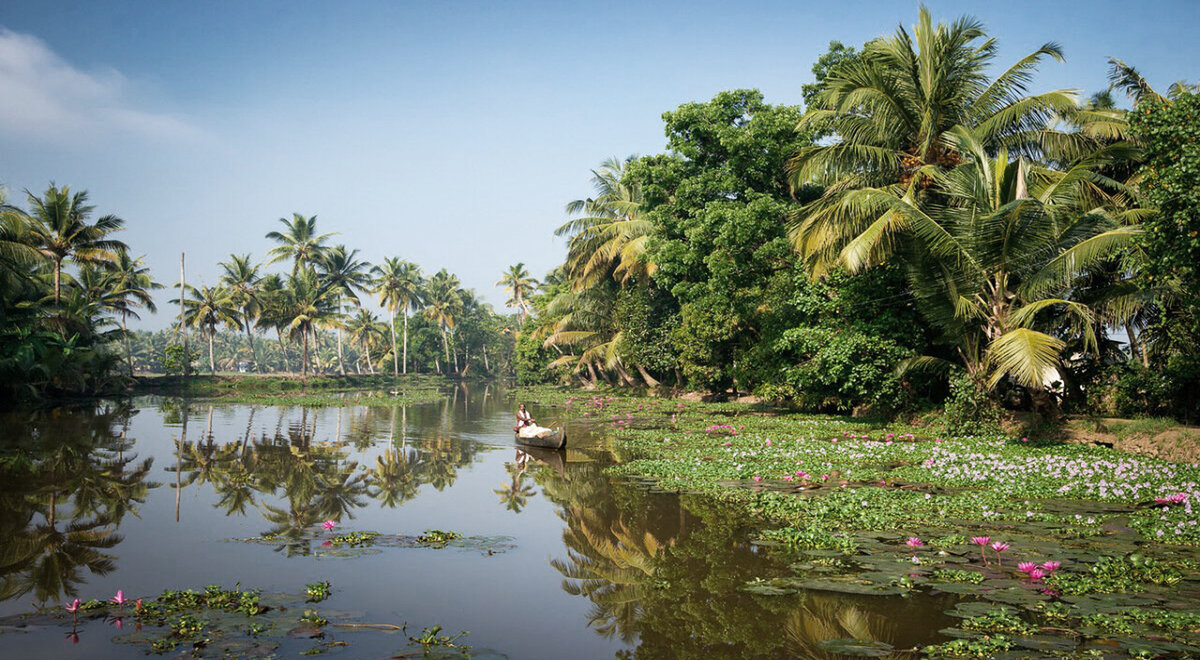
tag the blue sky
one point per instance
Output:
(447, 133)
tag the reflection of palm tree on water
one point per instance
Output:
(515, 494)
(82, 466)
(613, 566)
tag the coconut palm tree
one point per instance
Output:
(242, 278)
(442, 303)
(298, 241)
(891, 110)
(401, 288)
(363, 330)
(272, 298)
(345, 276)
(998, 246)
(520, 286)
(130, 284)
(308, 304)
(18, 257)
(207, 307)
(609, 237)
(59, 229)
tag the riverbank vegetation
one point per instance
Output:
(922, 228)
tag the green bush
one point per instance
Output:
(529, 362)
(829, 370)
(970, 409)
(175, 362)
(1170, 391)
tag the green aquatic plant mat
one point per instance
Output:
(317, 543)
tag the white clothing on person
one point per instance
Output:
(534, 431)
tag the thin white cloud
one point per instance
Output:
(45, 98)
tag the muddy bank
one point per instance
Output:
(1143, 437)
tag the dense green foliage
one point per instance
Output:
(63, 281)
(922, 218)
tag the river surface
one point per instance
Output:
(559, 560)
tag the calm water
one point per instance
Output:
(155, 495)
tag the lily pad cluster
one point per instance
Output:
(317, 541)
(216, 622)
(1053, 550)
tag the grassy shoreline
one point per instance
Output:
(378, 390)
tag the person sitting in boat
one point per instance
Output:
(524, 418)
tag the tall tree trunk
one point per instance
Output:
(187, 363)
(287, 364)
(304, 363)
(485, 360)
(624, 375)
(128, 345)
(250, 340)
(212, 365)
(1137, 347)
(405, 340)
(57, 277)
(395, 357)
(647, 377)
(446, 348)
(341, 363)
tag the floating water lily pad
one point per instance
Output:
(1047, 643)
(956, 587)
(859, 648)
(971, 609)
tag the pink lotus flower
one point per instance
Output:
(119, 599)
(137, 606)
(757, 479)
(73, 607)
(1026, 566)
(982, 542)
(1037, 574)
(999, 547)
(914, 542)
(1051, 566)
(329, 525)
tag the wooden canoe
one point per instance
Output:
(555, 440)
